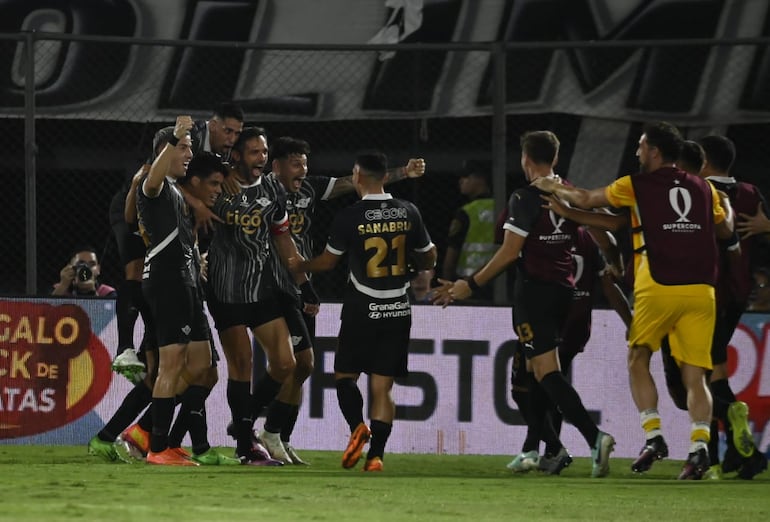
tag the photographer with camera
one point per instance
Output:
(80, 277)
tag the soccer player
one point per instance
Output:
(379, 234)
(170, 285)
(254, 227)
(590, 268)
(540, 243)
(732, 295)
(676, 219)
(289, 158)
(131, 249)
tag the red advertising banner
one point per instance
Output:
(49, 363)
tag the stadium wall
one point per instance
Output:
(56, 386)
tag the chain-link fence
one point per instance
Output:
(80, 112)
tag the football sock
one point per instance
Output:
(723, 396)
(564, 396)
(538, 404)
(714, 443)
(126, 313)
(192, 418)
(553, 421)
(650, 421)
(277, 415)
(239, 400)
(264, 392)
(162, 413)
(145, 421)
(351, 402)
(291, 421)
(135, 401)
(700, 434)
(380, 433)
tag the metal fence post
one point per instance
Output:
(30, 167)
(499, 136)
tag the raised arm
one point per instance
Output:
(601, 220)
(414, 168)
(578, 197)
(161, 166)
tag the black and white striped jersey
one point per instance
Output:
(241, 247)
(300, 206)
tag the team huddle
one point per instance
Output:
(254, 275)
(235, 234)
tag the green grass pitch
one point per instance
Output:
(58, 483)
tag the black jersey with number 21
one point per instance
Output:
(379, 233)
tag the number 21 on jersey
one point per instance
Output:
(375, 267)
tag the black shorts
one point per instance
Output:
(227, 315)
(130, 244)
(374, 335)
(295, 320)
(177, 313)
(728, 318)
(540, 311)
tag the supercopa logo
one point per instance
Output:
(681, 203)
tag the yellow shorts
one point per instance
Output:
(687, 320)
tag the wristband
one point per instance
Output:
(173, 140)
(472, 284)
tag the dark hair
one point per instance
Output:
(248, 133)
(478, 168)
(540, 146)
(229, 110)
(203, 165)
(666, 138)
(159, 141)
(719, 150)
(286, 146)
(691, 157)
(82, 248)
(373, 163)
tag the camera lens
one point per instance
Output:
(83, 273)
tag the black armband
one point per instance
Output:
(472, 284)
(173, 141)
